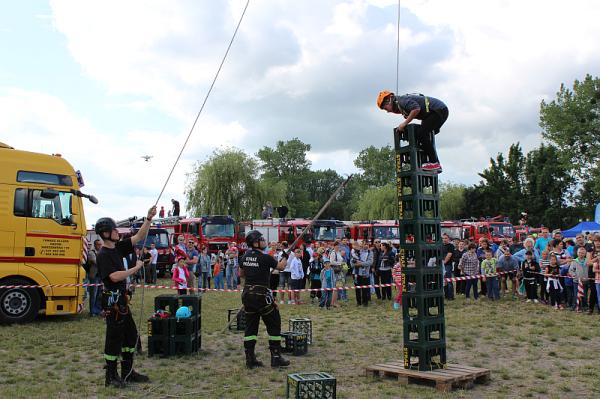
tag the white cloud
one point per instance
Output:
(111, 165)
(309, 69)
(341, 160)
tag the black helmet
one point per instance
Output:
(252, 237)
(104, 225)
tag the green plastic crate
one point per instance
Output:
(311, 385)
(303, 325)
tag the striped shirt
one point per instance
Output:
(469, 263)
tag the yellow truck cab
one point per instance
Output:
(42, 235)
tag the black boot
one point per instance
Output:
(277, 360)
(129, 374)
(251, 361)
(112, 376)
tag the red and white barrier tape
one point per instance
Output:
(446, 280)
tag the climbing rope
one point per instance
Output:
(181, 152)
(398, 49)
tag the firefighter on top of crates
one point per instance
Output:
(258, 301)
(121, 332)
(432, 113)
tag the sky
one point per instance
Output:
(103, 83)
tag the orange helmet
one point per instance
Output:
(382, 96)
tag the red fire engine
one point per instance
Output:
(384, 230)
(289, 229)
(214, 232)
(522, 231)
(455, 229)
(494, 229)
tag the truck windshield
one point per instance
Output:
(218, 230)
(324, 233)
(453, 232)
(386, 233)
(502, 230)
(159, 238)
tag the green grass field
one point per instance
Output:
(532, 350)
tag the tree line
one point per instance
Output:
(557, 183)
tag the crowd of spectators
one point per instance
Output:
(547, 269)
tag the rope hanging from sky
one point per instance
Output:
(185, 144)
(398, 49)
(204, 102)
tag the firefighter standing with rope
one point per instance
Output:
(121, 332)
(258, 301)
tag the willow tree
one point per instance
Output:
(227, 184)
(377, 203)
(452, 200)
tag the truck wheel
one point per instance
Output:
(18, 305)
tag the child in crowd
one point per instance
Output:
(568, 286)
(181, 275)
(544, 294)
(218, 273)
(296, 276)
(397, 276)
(579, 271)
(530, 271)
(315, 274)
(327, 282)
(469, 264)
(488, 266)
(553, 285)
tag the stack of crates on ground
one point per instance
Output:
(311, 385)
(420, 255)
(171, 335)
(303, 325)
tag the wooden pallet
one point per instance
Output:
(454, 376)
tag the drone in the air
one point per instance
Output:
(146, 157)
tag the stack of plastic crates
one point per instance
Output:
(171, 335)
(420, 255)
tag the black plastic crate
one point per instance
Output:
(302, 325)
(193, 302)
(161, 345)
(295, 343)
(158, 327)
(430, 331)
(186, 326)
(186, 344)
(427, 185)
(417, 280)
(422, 306)
(239, 324)
(425, 357)
(166, 302)
(311, 386)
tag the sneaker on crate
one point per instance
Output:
(432, 166)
